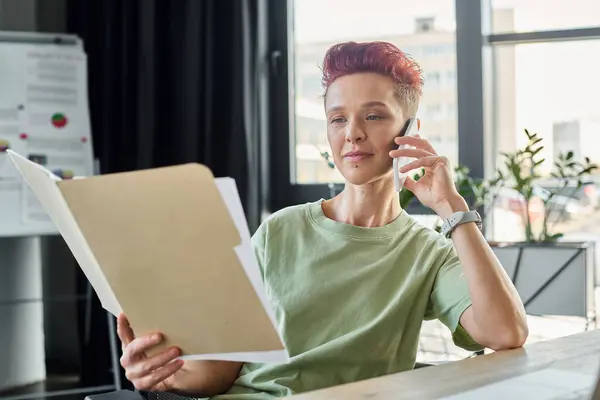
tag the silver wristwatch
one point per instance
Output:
(460, 218)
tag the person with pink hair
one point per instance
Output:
(352, 278)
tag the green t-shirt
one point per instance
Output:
(349, 301)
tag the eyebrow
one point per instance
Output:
(364, 105)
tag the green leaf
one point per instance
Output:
(536, 141)
(569, 155)
(516, 171)
(406, 197)
(587, 170)
(555, 237)
(538, 163)
(587, 160)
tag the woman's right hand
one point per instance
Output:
(154, 373)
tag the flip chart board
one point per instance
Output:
(44, 116)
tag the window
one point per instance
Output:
(424, 24)
(450, 78)
(541, 87)
(432, 79)
(450, 111)
(438, 50)
(538, 15)
(423, 29)
(433, 112)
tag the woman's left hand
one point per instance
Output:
(435, 189)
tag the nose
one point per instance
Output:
(355, 133)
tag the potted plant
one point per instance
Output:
(554, 276)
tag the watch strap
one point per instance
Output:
(459, 218)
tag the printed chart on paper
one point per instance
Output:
(44, 116)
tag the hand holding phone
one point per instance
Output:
(414, 125)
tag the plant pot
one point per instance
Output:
(551, 278)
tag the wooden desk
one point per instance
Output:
(577, 353)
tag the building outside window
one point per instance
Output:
(425, 31)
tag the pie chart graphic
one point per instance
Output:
(59, 120)
(4, 145)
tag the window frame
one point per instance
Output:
(282, 188)
(493, 40)
(475, 86)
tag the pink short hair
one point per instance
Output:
(378, 57)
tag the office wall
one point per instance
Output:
(17, 15)
(32, 15)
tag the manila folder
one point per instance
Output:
(165, 242)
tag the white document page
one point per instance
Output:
(43, 184)
(245, 253)
(540, 385)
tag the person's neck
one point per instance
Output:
(370, 205)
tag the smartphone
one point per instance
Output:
(413, 125)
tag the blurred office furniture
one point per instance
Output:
(55, 338)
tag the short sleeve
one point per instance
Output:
(259, 242)
(449, 299)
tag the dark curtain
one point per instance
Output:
(170, 82)
(174, 81)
